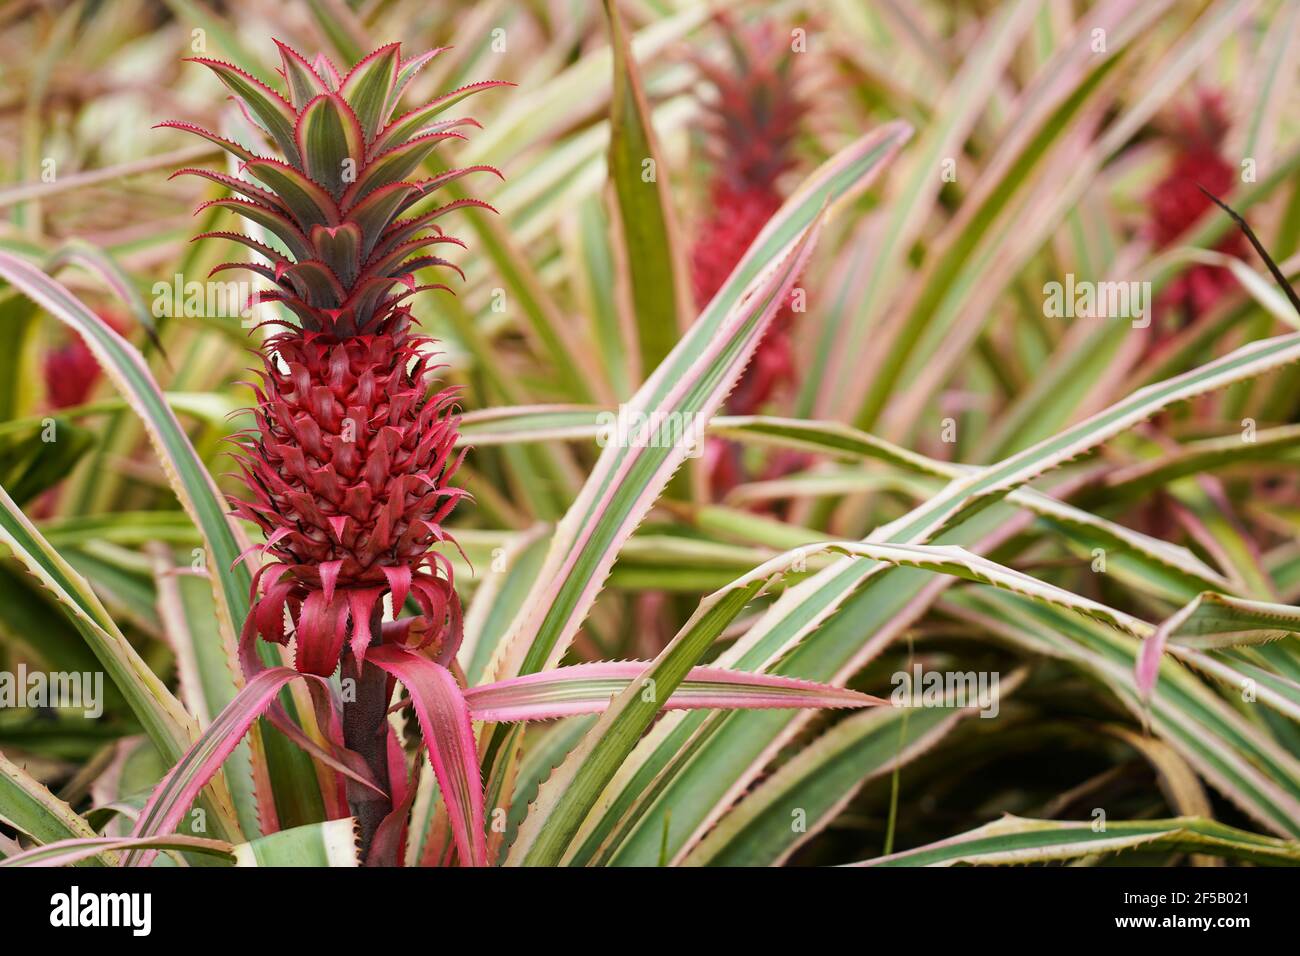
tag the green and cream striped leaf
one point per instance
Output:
(194, 487)
(1267, 444)
(1247, 767)
(691, 382)
(651, 239)
(332, 843)
(1250, 680)
(79, 850)
(822, 622)
(628, 478)
(817, 783)
(845, 333)
(1015, 840)
(507, 579)
(185, 471)
(30, 808)
(567, 797)
(1214, 620)
(1055, 108)
(576, 422)
(846, 442)
(943, 333)
(164, 719)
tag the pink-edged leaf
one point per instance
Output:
(394, 165)
(390, 302)
(272, 256)
(445, 722)
(322, 628)
(68, 852)
(400, 230)
(271, 109)
(588, 689)
(374, 214)
(416, 121)
(304, 82)
(1213, 620)
(331, 141)
(690, 385)
(270, 620)
(242, 186)
(399, 583)
(315, 282)
(368, 85)
(275, 222)
(630, 475)
(362, 604)
(329, 578)
(242, 153)
(404, 271)
(179, 789)
(368, 292)
(326, 70)
(391, 262)
(427, 187)
(406, 71)
(309, 204)
(266, 272)
(1147, 669)
(340, 248)
(161, 715)
(425, 219)
(432, 126)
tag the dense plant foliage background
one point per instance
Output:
(898, 347)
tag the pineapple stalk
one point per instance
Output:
(364, 725)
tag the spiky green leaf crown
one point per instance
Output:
(754, 118)
(334, 198)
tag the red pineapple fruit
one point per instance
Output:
(1176, 203)
(349, 472)
(350, 464)
(751, 128)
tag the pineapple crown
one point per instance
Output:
(1203, 123)
(754, 119)
(335, 197)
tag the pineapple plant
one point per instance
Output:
(350, 461)
(751, 124)
(349, 466)
(750, 127)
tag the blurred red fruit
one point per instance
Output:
(1177, 203)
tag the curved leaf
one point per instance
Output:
(445, 721)
(588, 689)
(30, 808)
(1014, 840)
